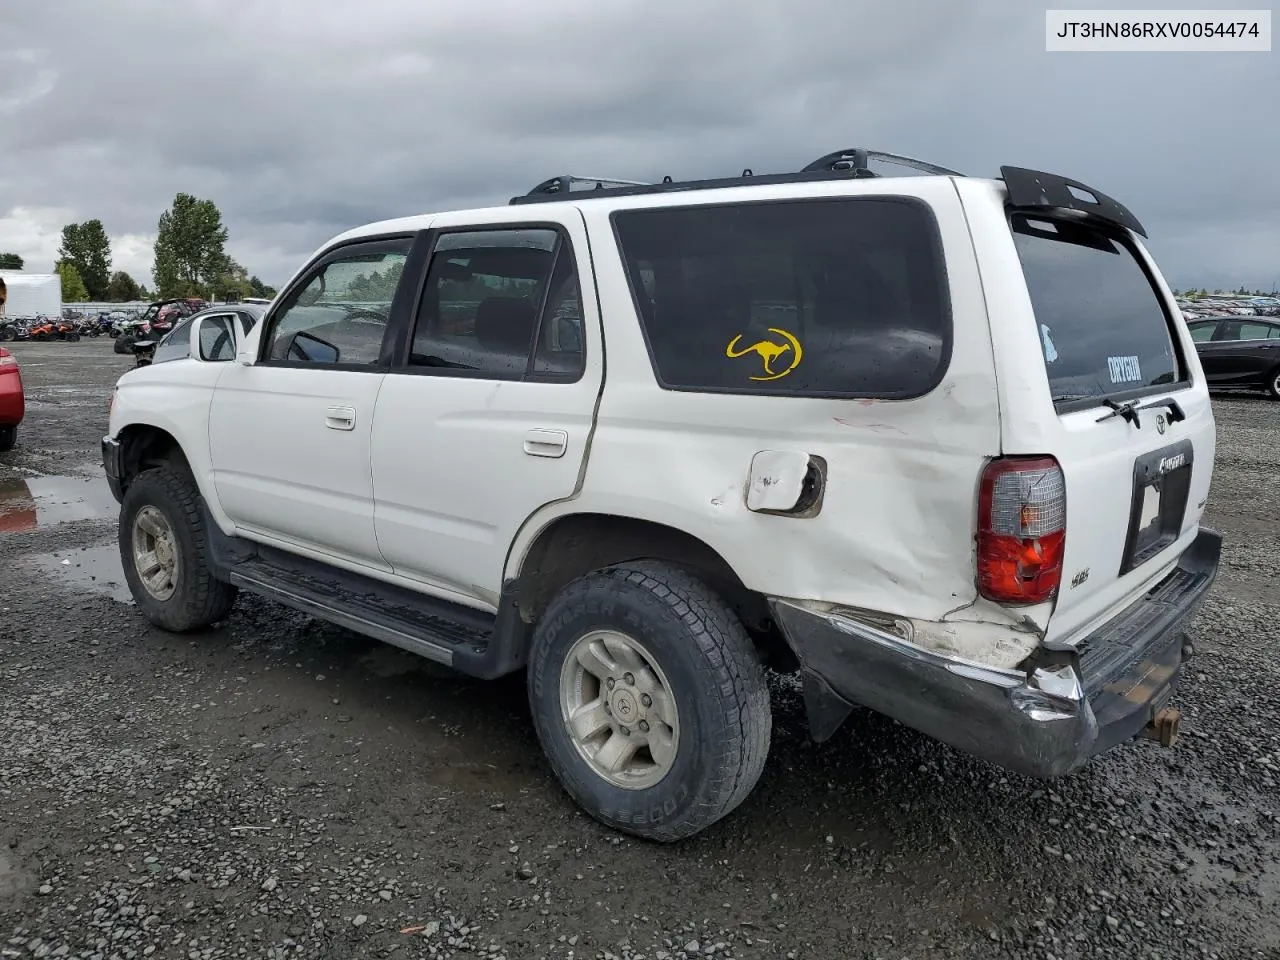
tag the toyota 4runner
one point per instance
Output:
(940, 445)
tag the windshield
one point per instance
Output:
(1103, 328)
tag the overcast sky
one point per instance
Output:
(303, 118)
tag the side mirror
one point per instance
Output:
(213, 339)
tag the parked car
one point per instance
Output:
(13, 404)
(1239, 352)
(939, 445)
(176, 344)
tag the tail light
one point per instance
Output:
(7, 359)
(1022, 530)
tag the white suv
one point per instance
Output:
(940, 445)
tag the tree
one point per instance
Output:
(123, 288)
(86, 247)
(190, 255)
(232, 283)
(259, 289)
(10, 261)
(73, 288)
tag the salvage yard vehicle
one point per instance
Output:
(13, 400)
(176, 344)
(1239, 352)
(939, 444)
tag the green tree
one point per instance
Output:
(232, 283)
(189, 251)
(73, 288)
(86, 247)
(259, 289)
(10, 261)
(123, 288)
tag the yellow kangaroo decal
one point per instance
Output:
(768, 351)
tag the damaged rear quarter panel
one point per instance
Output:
(896, 526)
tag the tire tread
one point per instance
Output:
(728, 660)
(206, 599)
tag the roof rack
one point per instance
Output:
(841, 165)
(571, 183)
(855, 159)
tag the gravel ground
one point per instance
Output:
(278, 787)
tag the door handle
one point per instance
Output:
(340, 418)
(546, 443)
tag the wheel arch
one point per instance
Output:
(572, 545)
(145, 445)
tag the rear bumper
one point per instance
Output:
(1068, 705)
(111, 462)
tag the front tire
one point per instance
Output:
(165, 554)
(649, 700)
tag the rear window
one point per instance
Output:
(1103, 327)
(844, 297)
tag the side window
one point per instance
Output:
(841, 297)
(1274, 334)
(1254, 330)
(217, 339)
(560, 351)
(180, 336)
(340, 314)
(175, 345)
(1203, 332)
(501, 304)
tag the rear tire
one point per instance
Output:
(671, 668)
(164, 548)
(8, 334)
(8, 437)
(1273, 383)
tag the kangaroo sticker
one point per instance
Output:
(769, 353)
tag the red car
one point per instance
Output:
(13, 404)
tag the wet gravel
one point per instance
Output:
(280, 788)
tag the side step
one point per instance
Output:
(444, 632)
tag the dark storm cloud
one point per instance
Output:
(303, 119)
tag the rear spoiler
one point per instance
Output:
(1032, 190)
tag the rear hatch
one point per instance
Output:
(1097, 370)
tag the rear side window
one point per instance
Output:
(501, 304)
(1103, 327)
(843, 297)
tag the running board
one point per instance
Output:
(443, 632)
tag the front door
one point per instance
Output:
(289, 434)
(488, 413)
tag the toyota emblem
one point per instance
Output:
(1159, 423)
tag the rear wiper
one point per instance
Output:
(1128, 411)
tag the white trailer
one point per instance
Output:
(30, 295)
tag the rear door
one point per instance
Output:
(1245, 350)
(486, 415)
(1088, 326)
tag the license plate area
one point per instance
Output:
(1161, 487)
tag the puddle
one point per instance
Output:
(38, 502)
(93, 569)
